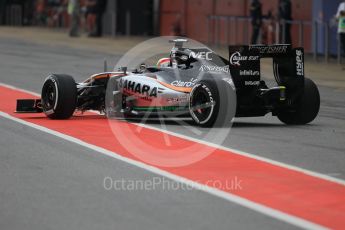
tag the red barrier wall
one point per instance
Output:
(192, 17)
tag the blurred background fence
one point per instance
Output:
(216, 22)
(317, 37)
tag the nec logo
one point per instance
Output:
(201, 55)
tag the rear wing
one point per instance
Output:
(288, 65)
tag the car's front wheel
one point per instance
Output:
(59, 96)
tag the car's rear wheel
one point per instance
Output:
(59, 96)
(212, 103)
(306, 107)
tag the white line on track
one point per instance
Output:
(249, 155)
(19, 89)
(293, 220)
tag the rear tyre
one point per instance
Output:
(59, 96)
(306, 108)
(212, 103)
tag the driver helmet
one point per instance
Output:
(163, 62)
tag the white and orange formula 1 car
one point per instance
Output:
(192, 82)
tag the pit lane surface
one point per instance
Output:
(49, 183)
(317, 147)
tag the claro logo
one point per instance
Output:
(201, 55)
(188, 84)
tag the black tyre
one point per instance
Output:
(59, 96)
(212, 103)
(306, 108)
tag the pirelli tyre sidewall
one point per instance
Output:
(306, 108)
(59, 96)
(221, 99)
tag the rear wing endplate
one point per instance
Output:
(288, 64)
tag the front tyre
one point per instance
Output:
(59, 96)
(306, 108)
(212, 103)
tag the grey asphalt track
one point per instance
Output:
(49, 183)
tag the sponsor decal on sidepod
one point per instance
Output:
(139, 88)
(188, 84)
(213, 68)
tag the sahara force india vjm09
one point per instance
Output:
(192, 82)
